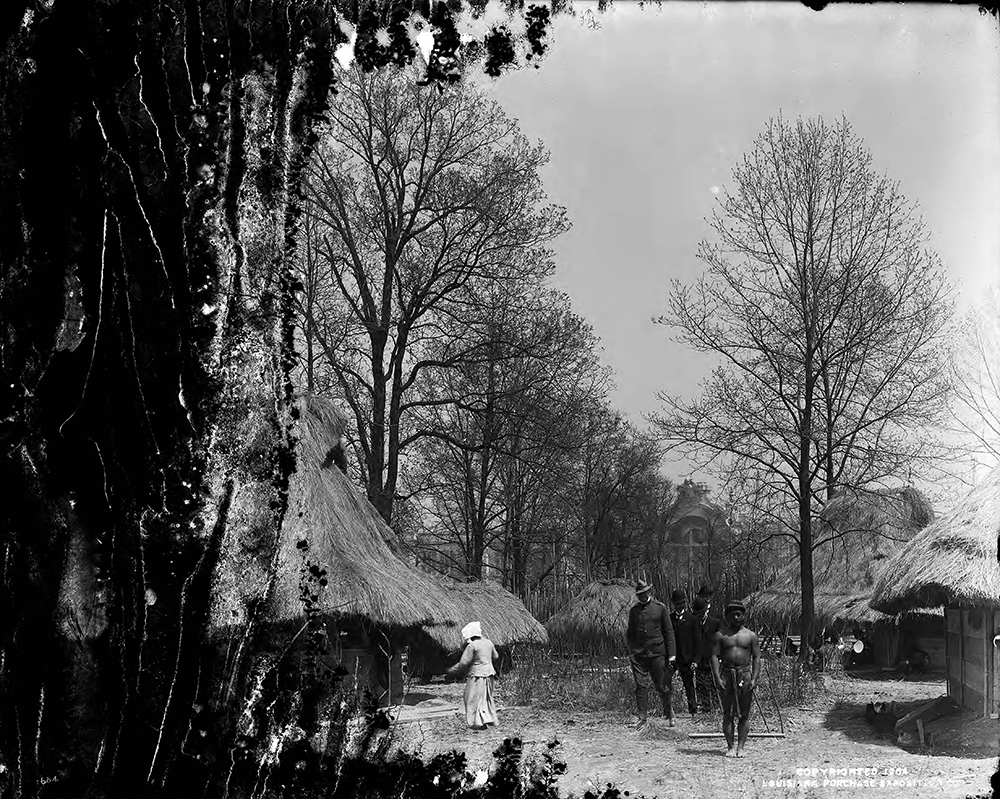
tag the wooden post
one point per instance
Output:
(987, 661)
(994, 675)
(961, 651)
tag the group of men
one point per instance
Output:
(718, 659)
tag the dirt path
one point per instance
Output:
(660, 761)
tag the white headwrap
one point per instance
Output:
(471, 630)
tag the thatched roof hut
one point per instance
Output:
(952, 562)
(337, 555)
(335, 552)
(865, 528)
(595, 619)
(505, 619)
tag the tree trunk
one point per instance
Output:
(130, 429)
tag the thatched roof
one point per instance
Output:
(596, 618)
(869, 527)
(331, 525)
(953, 561)
(504, 617)
(337, 553)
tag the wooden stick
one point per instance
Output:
(750, 735)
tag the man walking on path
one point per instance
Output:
(650, 638)
(736, 668)
(702, 631)
(685, 643)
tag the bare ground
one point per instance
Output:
(656, 760)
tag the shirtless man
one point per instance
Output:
(736, 668)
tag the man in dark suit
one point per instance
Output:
(685, 641)
(707, 592)
(703, 629)
(650, 637)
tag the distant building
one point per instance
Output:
(695, 534)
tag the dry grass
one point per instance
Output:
(588, 684)
(593, 684)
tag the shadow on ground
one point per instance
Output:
(959, 735)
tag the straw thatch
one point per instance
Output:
(329, 527)
(595, 619)
(871, 526)
(504, 617)
(336, 554)
(952, 562)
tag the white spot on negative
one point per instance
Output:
(425, 41)
(150, 596)
(345, 52)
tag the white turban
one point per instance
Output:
(471, 630)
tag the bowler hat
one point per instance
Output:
(706, 590)
(700, 603)
(678, 595)
(641, 587)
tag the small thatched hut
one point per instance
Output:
(954, 563)
(860, 530)
(595, 620)
(505, 620)
(339, 563)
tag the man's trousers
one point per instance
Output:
(651, 671)
(687, 678)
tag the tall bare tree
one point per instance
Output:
(493, 422)
(422, 199)
(975, 372)
(827, 314)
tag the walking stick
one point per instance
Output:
(774, 698)
(767, 727)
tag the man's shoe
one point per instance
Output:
(642, 720)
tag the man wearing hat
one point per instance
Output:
(685, 642)
(706, 592)
(650, 638)
(702, 630)
(736, 668)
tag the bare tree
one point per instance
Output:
(975, 374)
(828, 316)
(422, 199)
(491, 422)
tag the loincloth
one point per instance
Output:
(738, 694)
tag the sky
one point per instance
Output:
(646, 116)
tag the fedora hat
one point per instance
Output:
(641, 587)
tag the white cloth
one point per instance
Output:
(472, 629)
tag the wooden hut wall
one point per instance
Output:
(972, 660)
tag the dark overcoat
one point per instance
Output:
(650, 630)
